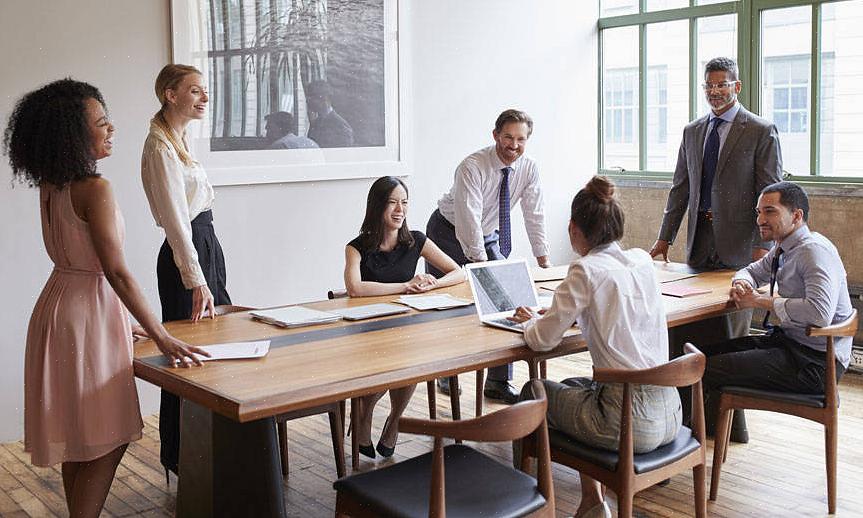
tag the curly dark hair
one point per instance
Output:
(47, 138)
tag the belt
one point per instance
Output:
(77, 271)
(706, 215)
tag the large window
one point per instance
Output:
(801, 63)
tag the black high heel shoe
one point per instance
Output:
(385, 451)
(369, 451)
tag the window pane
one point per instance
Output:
(717, 36)
(620, 97)
(667, 91)
(785, 69)
(841, 77)
(617, 7)
(659, 5)
(706, 2)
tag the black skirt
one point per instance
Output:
(177, 305)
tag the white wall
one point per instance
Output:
(469, 61)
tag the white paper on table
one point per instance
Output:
(424, 302)
(236, 350)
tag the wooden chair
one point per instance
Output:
(625, 472)
(822, 409)
(460, 480)
(335, 412)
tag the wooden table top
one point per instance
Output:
(309, 366)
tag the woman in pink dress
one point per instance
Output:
(81, 405)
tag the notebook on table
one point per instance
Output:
(370, 311)
(294, 316)
(498, 288)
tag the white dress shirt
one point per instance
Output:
(471, 205)
(177, 194)
(614, 296)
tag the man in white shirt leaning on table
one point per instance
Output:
(472, 222)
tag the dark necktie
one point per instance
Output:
(774, 268)
(503, 213)
(711, 157)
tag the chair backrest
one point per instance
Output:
(225, 309)
(339, 293)
(515, 422)
(680, 372)
(508, 424)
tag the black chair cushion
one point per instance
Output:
(475, 486)
(682, 445)
(811, 400)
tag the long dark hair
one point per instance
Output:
(597, 213)
(372, 229)
(47, 138)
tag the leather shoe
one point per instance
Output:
(385, 451)
(501, 390)
(368, 450)
(739, 436)
(443, 385)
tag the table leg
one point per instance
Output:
(355, 444)
(228, 468)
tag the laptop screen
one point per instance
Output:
(501, 286)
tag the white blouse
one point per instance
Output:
(177, 194)
(614, 296)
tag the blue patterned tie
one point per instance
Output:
(711, 157)
(503, 213)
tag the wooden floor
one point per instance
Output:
(779, 473)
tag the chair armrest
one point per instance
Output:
(847, 327)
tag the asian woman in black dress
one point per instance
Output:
(382, 260)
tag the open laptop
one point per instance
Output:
(498, 288)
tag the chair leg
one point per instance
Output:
(282, 428)
(480, 383)
(543, 369)
(430, 388)
(355, 445)
(720, 446)
(624, 503)
(698, 473)
(830, 439)
(338, 435)
(453, 398)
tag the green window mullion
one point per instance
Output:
(601, 108)
(693, 64)
(642, 96)
(815, 94)
(751, 97)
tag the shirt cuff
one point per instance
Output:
(476, 255)
(192, 276)
(541, 250)
(779, 309)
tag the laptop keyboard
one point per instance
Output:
(506, 322)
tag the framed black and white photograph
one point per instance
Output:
(299, 90)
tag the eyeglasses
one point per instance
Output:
(718, 86)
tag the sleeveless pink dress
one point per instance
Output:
(80, 400)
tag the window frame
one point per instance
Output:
(749, 62)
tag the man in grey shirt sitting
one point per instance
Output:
(807, 287)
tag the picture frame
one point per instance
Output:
(257, 61)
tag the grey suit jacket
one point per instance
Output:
(749, 160)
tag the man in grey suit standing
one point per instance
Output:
(726, 158)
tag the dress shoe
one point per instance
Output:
(739, 436)
(385, 451)
(443, 385)
(501, 390)
(600, 510)
(368, 450)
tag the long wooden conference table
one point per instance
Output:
(232, 468)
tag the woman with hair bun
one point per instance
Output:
(80, 401)
(614, 296)
(191, 266)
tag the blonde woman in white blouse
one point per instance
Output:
(191, 266)
(614, 296)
